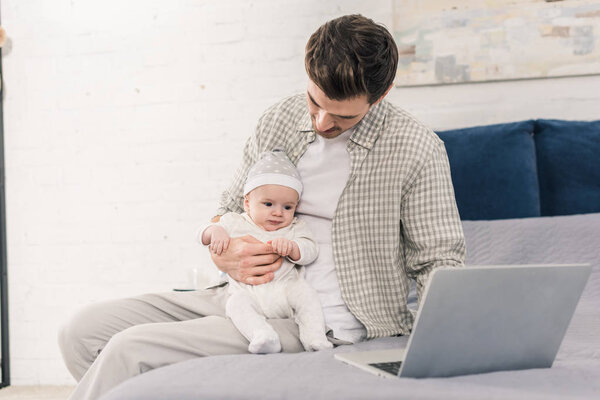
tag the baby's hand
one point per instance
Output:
(285, 247)
(219, 240)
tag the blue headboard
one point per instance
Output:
(525, 169)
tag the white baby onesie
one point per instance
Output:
(286, 296)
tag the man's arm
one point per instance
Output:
(431, 226)
(232, 198)
(248, 260)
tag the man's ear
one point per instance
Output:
(385, 94)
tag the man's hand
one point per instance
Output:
(248, 260)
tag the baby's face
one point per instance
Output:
(271, 207)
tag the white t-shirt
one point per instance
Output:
(324, 168)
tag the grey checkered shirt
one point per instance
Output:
(396, 219)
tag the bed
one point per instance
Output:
(574, 375)
(537, 200)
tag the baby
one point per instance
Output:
(272, 192)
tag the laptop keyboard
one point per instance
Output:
(391, 367)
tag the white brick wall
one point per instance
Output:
(124, 120)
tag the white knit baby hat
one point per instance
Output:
(273, 168)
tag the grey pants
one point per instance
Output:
(107, 343)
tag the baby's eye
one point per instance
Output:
(268, 204)
(288, 207)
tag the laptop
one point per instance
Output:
(482, 319)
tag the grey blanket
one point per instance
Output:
(574, 375)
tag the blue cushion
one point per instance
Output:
(568, 161)
(494, 170)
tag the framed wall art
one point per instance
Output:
(459, 41)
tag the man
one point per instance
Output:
(377, 194)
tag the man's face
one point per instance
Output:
(332, 117)
(271, 207)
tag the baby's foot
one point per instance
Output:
(315, 342)
(264, 342)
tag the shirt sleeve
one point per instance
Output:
(309, 249)
(431, 226)
(232, 198)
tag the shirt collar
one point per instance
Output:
(368, 129)
(365, 132)
(305, 124)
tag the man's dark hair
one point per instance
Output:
(351, 56)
